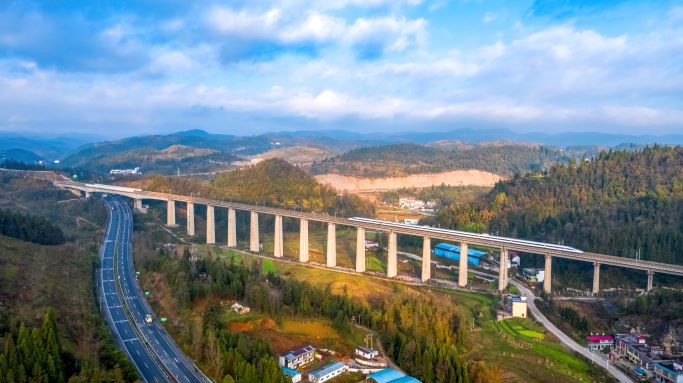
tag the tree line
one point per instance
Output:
(30, 228)
(19, 165)
(405, 158)
(36, 355)
(622, 203)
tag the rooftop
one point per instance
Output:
(598, 338)
(406, 379)
(300, 351)
(389, 375)
(289, 372)
(326, 370)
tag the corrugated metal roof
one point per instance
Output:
(327, 369)
(387, 375)
(406, 379)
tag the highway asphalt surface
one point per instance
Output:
(148, 346)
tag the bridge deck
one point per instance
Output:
(420, 231)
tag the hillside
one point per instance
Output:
(35, 278)
(196, 151)
(274, 182)
(168, 160)
(619, 203)
(397, 160)
(27, 147)
(449, 178)
(300, 155)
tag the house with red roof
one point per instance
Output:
(600, 342)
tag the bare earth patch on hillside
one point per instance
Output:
(450, 178)
(302, 155)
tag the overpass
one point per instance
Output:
(393, 229)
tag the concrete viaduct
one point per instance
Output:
(465, 239)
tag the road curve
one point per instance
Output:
(155, 355)
(566, 340)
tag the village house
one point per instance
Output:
(296, 358)
(600, 342)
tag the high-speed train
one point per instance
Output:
(511, 241)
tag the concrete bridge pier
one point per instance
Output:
(596, 278)
(462, 271)
(88, 194)
(392, 258)
(138, 204)
(426, 259)
(210, 225)
(190, 218)
(232, 228)
(547, 278)
(303, 240)
(360, 250)
(331, 245)
(278, 248)
(650, 279)
(170, 213)
(503, 270)
(253, 233)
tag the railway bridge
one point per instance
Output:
(393, 229)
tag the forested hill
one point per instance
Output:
(274, 182)
(618, 203)
(30, 228)
(404, 159)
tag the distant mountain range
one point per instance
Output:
(483, 135)
(48, 147)
(210, 151)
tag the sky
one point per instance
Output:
(118, 68)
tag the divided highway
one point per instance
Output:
(148, 346)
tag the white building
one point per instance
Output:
(519, 307)
(126, 172)
(533, 275)
(367, 353)
(328, 372)
(293, 375)
(297, 358)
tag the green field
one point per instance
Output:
(268, 266)
(522, 328)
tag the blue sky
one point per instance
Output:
(243, 67)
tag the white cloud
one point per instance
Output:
(315, 27)
(394, 34)
(489, 17)
(244, 23)
(386, 33)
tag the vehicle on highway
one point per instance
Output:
(148, 318)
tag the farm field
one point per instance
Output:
(296, 332)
